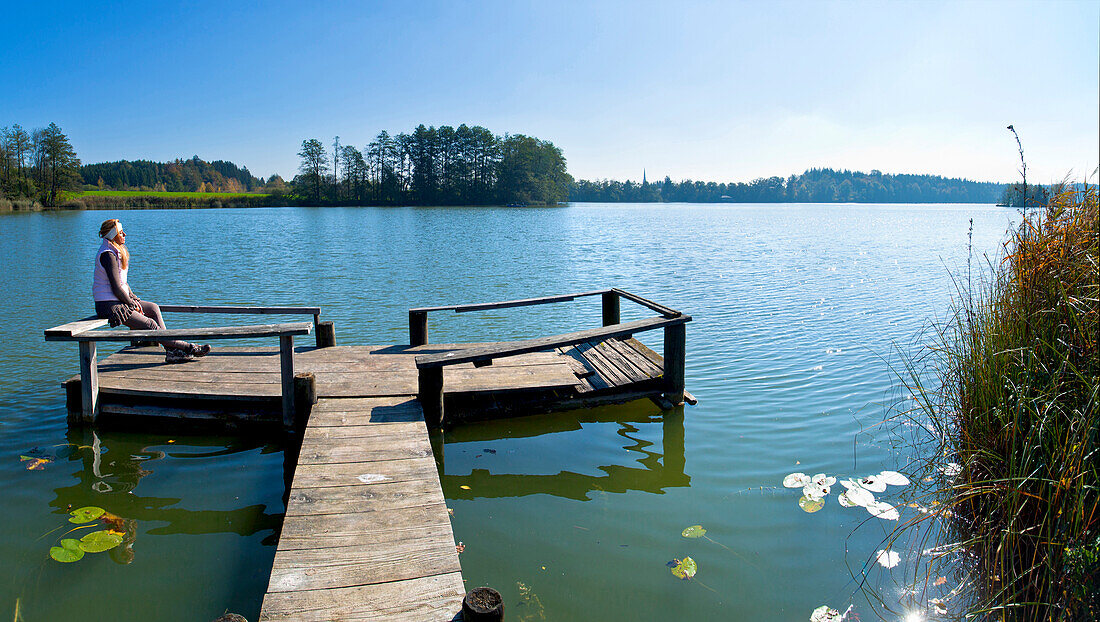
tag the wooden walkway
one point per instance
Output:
(367, 535)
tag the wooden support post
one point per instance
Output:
(675, 356)
(305, 396)
(286, 372)
(610, 308)
(418, 328)
(73, 399)
(89, 382)
(326, 334)
(430, 383)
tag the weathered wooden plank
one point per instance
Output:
(397, 450)
(591, 380)
(524, 302)
(65, 331)
(363, 524)
(189, 390)
(423, 599)
(241, 310)
(223, 332)
(356, 473)
(309, 569)
(636, 358)
(365, 438)
(624, 366)
(645, 302)
(189, 413)
(603, 367)
(89, 382)
(544, 343)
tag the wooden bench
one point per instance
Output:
(85, 334)
(430, 366)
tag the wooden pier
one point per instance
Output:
(367, 533)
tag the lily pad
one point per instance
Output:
(816, 491)
(695, 531)
(882, 510)
(873, 483)
(823, 480)
(684, 568)
(824, 613)
(69, 551)
(887, 558)
(810, 504)
(844, 501)
(894, 478)
(796, 480)
(86, 514)
(99, 541)
(856, 494)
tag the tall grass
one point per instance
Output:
(1016, 481)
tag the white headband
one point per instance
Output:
(113, 233)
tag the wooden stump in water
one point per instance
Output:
(231, 617)
(482, 604)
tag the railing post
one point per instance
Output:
(418, 328)
(89, 382)
(610, 308)
(326, 334)
(305, 396)
(430, 381)
(286, 375)
(675, 356)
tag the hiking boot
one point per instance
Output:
(198, 351)
(172, 355)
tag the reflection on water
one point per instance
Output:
(657, 472)
(114, 463)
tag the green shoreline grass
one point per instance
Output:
(1015, 473)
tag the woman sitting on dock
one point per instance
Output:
(116, 302)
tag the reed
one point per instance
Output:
(1015, 482)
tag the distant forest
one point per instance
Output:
(193, 175)
(818, 185)
(433, 166)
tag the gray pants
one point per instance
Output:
(148, 317)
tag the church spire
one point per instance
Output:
(643, 177)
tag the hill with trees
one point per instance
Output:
(193, 175)
(818, 185)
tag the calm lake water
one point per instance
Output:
(572, 516)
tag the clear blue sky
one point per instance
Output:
(724, 91)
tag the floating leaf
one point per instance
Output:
(69, 551)
(99, 541)
(873, 483)
(86, 514)
(460, 547)
(464, 487)
(894, 478)
(797, 480)
(695, 531)
(810, 504)
(938, 606)
(857, 495)
(37, 464)
(940, 581)
(844, 501)
(887, 558)
(815, 491)
(952, 470)
(823, 480)
(683, 568)
(885, 511)
(825, 614)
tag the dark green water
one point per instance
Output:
(571, 516)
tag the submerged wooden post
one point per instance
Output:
(610, 308)
(286, 375)
(326, 334)
(430, 381)
(418, 328)
(89, 382)
(73, 399)
(675, 357)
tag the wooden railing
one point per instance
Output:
(85, 334)
(430, 366)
